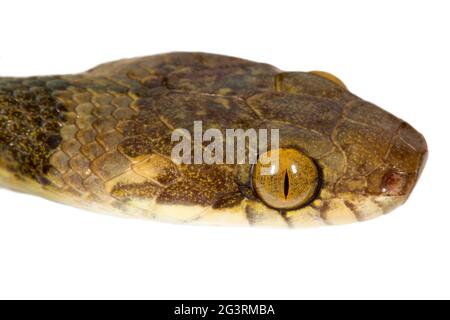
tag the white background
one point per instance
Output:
(393, 53)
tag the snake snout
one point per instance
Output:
(407, 157)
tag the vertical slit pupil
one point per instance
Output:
(286, 184)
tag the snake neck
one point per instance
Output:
(30, 121)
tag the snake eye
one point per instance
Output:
(285, 178)
(330, 77)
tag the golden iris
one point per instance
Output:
(285, 178)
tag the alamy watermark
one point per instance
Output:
(236, 146)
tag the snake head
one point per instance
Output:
(368, 161)
(103, 139)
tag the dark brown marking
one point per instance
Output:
(202, 185)
(251, 216)
(227, 200)
(284, 215)
(125, 192)
(30, 121)
(355, 210)
(323, 211)
(136, 146)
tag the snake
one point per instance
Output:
(102, 140)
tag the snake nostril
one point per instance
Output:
(394, 183)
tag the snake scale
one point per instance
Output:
(101, 140)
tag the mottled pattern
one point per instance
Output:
(30, 120)
(102, 140)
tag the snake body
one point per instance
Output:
(101, 140)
